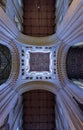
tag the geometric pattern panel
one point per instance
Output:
(39, 17)
(38, 110)
(39, 61)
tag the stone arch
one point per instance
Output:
(5, 63)
(35, 85)
(69, 86)
(61, 66)
(14, 65)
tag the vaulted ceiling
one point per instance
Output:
(39, 17)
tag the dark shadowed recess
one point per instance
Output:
(5, 63)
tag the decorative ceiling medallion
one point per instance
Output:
(37, 63)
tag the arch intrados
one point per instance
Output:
(38, 85)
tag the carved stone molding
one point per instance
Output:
(7, 26)
(37, 85)
(15, 65)
(70, 30)
(38, 41)
(68, 85)
(72, 113)
(61, 65)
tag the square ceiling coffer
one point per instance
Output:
(39, 61)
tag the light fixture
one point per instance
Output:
(38, 7)
(38, 4)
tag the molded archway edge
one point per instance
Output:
(14, 65)
(69, 86)
(61, 63)
(35, 85)
(5, 63)
(38, 41)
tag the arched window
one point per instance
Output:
(5, 63)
